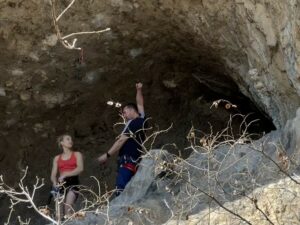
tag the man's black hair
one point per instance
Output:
(131, 106)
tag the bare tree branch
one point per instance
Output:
(71, 45)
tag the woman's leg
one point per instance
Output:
(70, 199)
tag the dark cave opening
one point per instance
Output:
(181, 85)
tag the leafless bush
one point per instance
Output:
(64, 39)
(224, 168)
(92, 202)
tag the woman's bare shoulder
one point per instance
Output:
(77, 153)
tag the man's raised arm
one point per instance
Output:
(140, 99)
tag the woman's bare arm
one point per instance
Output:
(54, 171)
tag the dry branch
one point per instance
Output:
(68, 44)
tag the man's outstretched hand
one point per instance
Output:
(139, 86)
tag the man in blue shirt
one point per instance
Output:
(129, 143)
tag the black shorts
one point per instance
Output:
(71, 184)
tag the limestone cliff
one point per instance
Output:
(187, 53)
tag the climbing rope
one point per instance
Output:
(81, 58)
(79, 65)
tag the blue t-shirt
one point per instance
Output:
(135, 130)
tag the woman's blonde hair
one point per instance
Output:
(60, 139)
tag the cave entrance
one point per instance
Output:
(183, 78)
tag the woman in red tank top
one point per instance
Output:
(66, 168)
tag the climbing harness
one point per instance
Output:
(130, 166)
(128, 163)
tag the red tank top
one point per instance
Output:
(67, 165)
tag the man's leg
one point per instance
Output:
(123, 177)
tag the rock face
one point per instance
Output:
(256, 44)
(232, 184)
(187, 53)
(277, 200)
